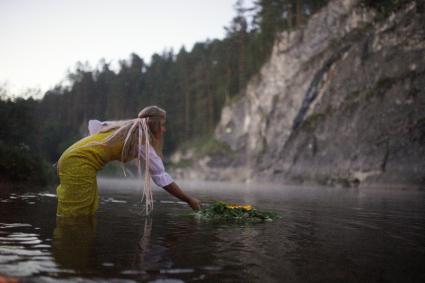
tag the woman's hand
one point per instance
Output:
(174, 189)
(194, 203)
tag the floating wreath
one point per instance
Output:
(221, 210)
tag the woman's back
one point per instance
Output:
(91, 151)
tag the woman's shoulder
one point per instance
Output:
(94, 126)
(97, 137)
(94, 139)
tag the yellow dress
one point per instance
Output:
(77, 167)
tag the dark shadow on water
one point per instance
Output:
(73, 243)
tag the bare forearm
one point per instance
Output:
(175, 190)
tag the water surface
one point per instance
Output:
(323, 235)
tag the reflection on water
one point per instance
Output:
(73, 240)
(324, 234)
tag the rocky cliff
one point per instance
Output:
(341, 101)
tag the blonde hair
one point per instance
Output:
(155, 116)
(123, 129)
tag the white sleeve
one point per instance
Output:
(94, 126)
(156, 168)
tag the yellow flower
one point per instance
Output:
(245, 207)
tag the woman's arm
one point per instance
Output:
(164, 180)
(175, 190)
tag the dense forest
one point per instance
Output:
(192, 85)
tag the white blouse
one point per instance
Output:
(156, 166)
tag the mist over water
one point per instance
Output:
(323, 234)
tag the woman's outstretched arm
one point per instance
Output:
(175, 190)
(164, 180)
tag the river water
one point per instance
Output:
(322, 235)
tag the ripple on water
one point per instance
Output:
(21, 251)
(22, 235)
(47, 195)
(23, 254)
(8, 258)
(44, 279)
(30, 241)
(168, 280)
(113, 200)
(28, 268)
(13, 225)
(176, 270)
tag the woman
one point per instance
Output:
(139, 138)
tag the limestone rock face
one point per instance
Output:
(341, 100)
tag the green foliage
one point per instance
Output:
(17, 119)
(221, 211)
(20, 159)
(19, 164)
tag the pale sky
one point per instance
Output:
(41, 39)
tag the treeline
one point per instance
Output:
(193, 86)
(21, 160)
